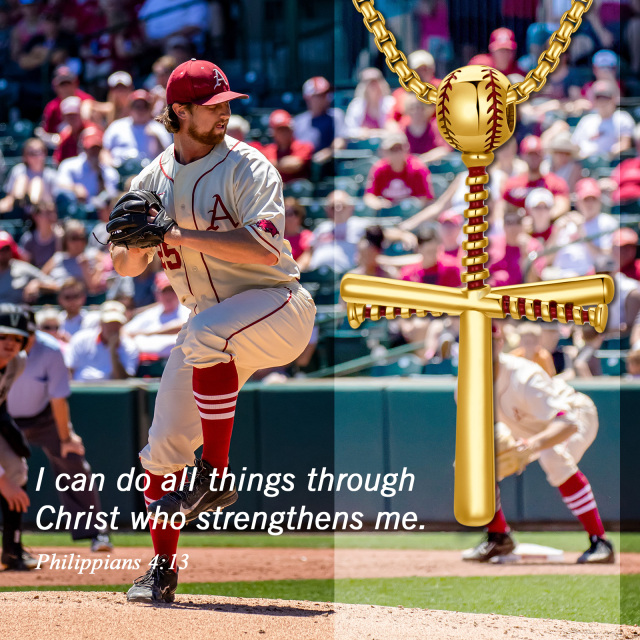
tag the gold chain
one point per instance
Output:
(518, 92)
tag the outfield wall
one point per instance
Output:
(355, 425)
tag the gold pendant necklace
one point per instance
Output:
(476, 114)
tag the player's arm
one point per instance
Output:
(558, 431)
(237, 246)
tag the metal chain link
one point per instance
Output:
(518, 92)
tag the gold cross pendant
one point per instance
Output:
(476, 115)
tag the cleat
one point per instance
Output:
(101, 542)
(496, 544)
(193, 502)
(600, 552)
(158, 584)
(17, 559)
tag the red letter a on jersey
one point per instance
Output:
(219, 212)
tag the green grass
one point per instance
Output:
(565, 540)
(578, 598)
(630, 599)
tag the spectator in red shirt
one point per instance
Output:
(451, 222)
(518, 15)
(70, 135)
(65, 84)
(398, 176)
(436, 267)
(624, 251)
(298, 238)
(291, 157)
(422, 131)
(502, 53)
(626, 176)
(517, 188)
(538, 206)
(424, 65)
(508, 253)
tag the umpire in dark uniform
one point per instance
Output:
(38, 403)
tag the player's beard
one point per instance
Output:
(208, 137)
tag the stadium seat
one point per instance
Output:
(405, 366)
(299, 189)
(344, 346)
(451, 163)
(351, 184)
(439, 182)
(369, 143)
(323, 284)
(592, 164)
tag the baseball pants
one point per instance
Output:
(259, 329)
(41, 431)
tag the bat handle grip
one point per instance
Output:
(474, 502)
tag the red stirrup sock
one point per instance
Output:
(499, 523)
(216, 390)
(165, 538)
(577, 495)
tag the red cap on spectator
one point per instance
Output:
(199, 82)
(450, 215)
(587, 187)
(502, 39)
(315, 86)
(63, 73)
(531, 144)
(161, 281)
(6, 240)
(140, 94)
(280, 118)
(624, 236)
(91, 137)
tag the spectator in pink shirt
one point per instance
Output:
(451, 222)
(298, 238)
(422, 131)
(398, 176)
(436, 267)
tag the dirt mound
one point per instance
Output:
(91, 616)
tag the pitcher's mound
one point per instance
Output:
(73, 615)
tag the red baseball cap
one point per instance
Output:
(531, 144)
(199, 82)
(450, 215)
(588, 187)
(140, 94)
(91, 137)
(502, 39)
(624, 236)
(161, 281)
(315, 86)
(280, 118)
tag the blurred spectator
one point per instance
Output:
(502, 53)
(48, 321)
(625, 306)
(179, 48)
(29, 182)
(531, 347)
(300, 239)
(371, 105)
(76, 260)
(624, 250)
(608, 131)
(397, 176)
(450, 226)
(434, 29)
(435, 266)
(104, 204)
(155, 329)
(291, 157)
(585, 363)
(626, 176)
(103, 353)
(517, 15)
(321, 125)
(632, 364)
(44, 238)
(539, 206)
(65, 84)
(605, 69)
(505, 166)
(509, 253)
(162, 19)
(117, 105)
(86, 175)
(335, 241)
(596, 223)
(72, 298)
(517, 188)
(162, 69)
(238, 127)
(138, 135)
(68, 145)
(564, 161)
(424, 65)
(28, 26)
(19, 280)
(421, 129)
(370, 248)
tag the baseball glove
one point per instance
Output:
(130, 225)
(511, 456)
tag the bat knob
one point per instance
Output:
(600, 315)
(355, 315)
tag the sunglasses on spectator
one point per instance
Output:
(70, 296)
(10, 337)
(77, 238)
(396, 148)
(50, 327)
(34, 152)
(63, 82)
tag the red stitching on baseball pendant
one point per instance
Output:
(443, 110)
(494, 109)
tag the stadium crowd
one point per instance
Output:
(370, 185)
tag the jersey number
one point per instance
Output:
(169, 258)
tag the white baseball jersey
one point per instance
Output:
(527, 399)
(233, 186)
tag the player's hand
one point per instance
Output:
(16, 497)
(73, 445)
(113, 341)
(31, 291)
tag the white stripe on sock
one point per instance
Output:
(224, 396)
(587, 507)
(578, 503)
(148, 501)
(577, 495)
(216, 416)
(216, 405)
